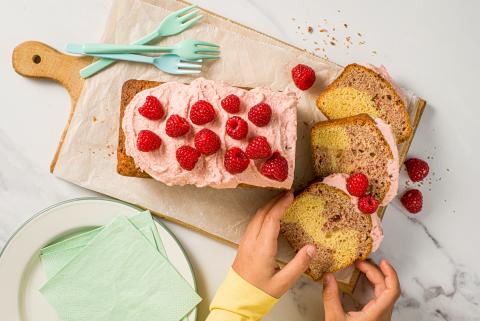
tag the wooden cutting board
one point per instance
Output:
(38, 60)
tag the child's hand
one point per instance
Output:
(387, 291)
(255, 261)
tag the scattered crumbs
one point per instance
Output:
(359, 34)
(338, 11)
(323, 30)
(324, 20)
(298, 27)
(332, 43)
(333, 29)
(94, 119)
(317, 49)
(304, 39)
(361, 43)
(316, 43)
(345, 25)
(448, 169)
(374, 52)
(293, 19)
(310, 29)
(454, 211)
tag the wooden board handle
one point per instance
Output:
(38, 60)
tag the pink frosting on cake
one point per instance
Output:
(340, 181)
(177, 98)
(393, 167)
(382, 71)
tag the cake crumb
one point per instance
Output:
(323, 30)
(359, 34)
(374, 52)
(94, 119)
(310, 29)
(332, 43)
(345, 25)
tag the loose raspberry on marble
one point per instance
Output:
(235, 160)
(357, 184)
(412, 200)
(276, 167)
(187, 157)
(260, 114)
(152, 108)
(258, 148)
(236, 128)
(303, 76)
(148, 141)
(207, 142)
(202, 112)
(417, 169)
(231, 104)
(367, 204)
(176, 126)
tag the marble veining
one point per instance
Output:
(435, 252)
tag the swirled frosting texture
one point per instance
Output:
(177, 98)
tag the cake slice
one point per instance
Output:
(358, 144)
(325, 215)
(359, 90)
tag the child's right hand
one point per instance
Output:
(387, 291)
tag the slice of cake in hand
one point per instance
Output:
(325, 215)
(358, 144)
(359, 90)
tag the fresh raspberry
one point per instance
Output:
(202, 112)
(151, 108)
(148, 141)
(357, 184)
(176, 126)
(276, 167)
(367, 204)
(235, 160)
(187, 157)
(207, 142)
(412, 200)
(417, 169)
(231, 104)
(260, 114)
(303, 76)
(258, 147)
(236, 127)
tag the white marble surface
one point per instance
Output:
(429, 46)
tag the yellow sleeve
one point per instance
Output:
(238, 300)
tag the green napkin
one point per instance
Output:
(119, 276)
(55, 256)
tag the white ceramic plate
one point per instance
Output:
(21, 272)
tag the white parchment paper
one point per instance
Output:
(249, 59)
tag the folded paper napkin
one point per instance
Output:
(116, 272)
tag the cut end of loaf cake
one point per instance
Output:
(355, 145)
(326, 217)
(362, 90)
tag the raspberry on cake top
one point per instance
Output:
(230, 128)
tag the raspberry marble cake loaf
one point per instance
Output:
(358, 144)
(325, 215)
(359, 90)
(208, 133)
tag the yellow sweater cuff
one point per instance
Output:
(238, 300)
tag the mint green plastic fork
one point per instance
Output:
(173, 24)
(168, 63)
(187, 49)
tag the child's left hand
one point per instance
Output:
(256, 257)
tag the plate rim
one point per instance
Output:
(107, 199)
